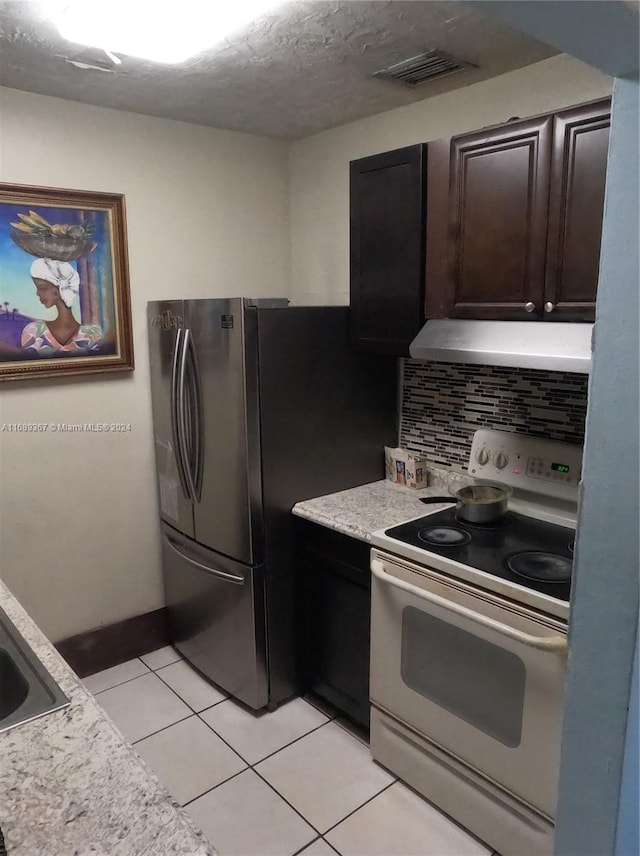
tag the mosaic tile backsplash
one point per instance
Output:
(443, 404)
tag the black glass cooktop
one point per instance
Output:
(532, 553)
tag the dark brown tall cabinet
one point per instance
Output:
(514, 217)
(387, 210)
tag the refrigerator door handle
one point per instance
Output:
(184, 419)
(223, 575)
(175, 412)
(196, 418)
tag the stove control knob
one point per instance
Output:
(482, 456)
(501, 460)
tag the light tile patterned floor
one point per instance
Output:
(298, 780)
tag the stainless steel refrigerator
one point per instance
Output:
(256, 405)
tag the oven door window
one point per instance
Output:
(478, 681)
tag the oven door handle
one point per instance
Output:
(550, 643)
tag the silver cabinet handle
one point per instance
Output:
(550, 643)
(549, 306)
(530, 307)
(223, 575)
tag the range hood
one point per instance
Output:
(561, 347)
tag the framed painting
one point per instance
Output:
(64, 283)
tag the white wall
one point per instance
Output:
(319, 165)
(207, 216)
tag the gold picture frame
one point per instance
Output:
(64, 283)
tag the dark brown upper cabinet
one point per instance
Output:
(493, 232)
(514, 217)
(387, 211)
(576, 206)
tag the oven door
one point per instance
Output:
(478, 675)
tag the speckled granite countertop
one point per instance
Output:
(361, 510)
(70, 784)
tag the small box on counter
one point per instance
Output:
(404, 468)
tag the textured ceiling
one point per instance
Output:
(302, 68)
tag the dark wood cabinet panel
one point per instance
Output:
(334, 585)
(514, 218)
(492, 264)
(576, 205)
(387, 209)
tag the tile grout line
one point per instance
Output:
(184, 718)
(261, 777)
(277, 792)
(223, 782)
(331, 828)
(335, 849)
(164, 665)
(249, 766)
(164, 728)
(128, 680)
(275, 751)
(321, 838)
(184, 701)
(252, 767)
(191, 713)
(284, 799)
(121, 683)
(304, 846)
(301, 851)
(320, 835)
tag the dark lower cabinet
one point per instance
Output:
(334, 595)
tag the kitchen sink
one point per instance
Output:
(27, 690)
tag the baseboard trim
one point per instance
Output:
(95, 650)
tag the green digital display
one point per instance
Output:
(560, 468)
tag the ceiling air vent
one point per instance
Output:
(423, 68)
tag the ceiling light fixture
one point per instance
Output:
(164, 31)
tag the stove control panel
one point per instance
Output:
(529, 463)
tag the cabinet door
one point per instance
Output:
(387, 202)
(488, 260)
(576, 205)
(335, 583)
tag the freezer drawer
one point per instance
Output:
(217, 616)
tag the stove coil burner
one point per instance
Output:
(444, 536)
(540, 566)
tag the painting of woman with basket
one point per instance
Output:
(65, 276)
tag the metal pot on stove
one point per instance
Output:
(477, 502)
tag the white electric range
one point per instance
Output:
(469, 643)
